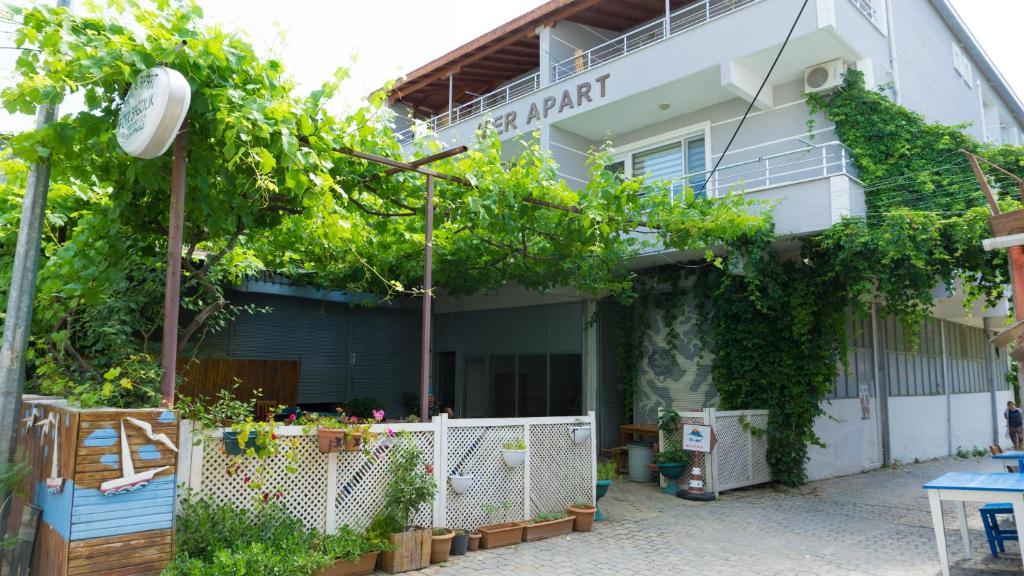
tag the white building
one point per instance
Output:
(666, 83)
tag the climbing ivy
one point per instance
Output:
(776, 322)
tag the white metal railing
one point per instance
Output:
(810, 162)
(473, 108)
(866, 7)
(679, 21)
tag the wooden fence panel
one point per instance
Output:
(278, 379)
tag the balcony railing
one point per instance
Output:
(473, 108)
(814, 161)
(866, 7)
(679, 21)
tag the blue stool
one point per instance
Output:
(996, 535)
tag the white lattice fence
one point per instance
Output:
(560, 469)
(740, 457)
(330, 490)
(303, 492)
(360, 480)
(476, 449)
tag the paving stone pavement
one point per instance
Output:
(875, 524)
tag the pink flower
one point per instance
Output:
(430, 468)
(291, 417)
(390, 431)
(378, 415)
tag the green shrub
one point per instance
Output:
(607, 470)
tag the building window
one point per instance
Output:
(679, 162)
(962, 65)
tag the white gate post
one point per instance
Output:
(330, 510)
(441, 470)
(711, 472)
(593, 462)
(526, 473)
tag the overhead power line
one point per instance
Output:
(757, 95)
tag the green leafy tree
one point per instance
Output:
(269, 190)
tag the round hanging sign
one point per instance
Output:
(152, 112)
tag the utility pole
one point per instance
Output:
(1008, 228)
(18, 322)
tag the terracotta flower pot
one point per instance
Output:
(330, 439)
(542, 530)
(353, 440)
(584, 517)
(364, 565)
(498, 535)
(441, 546)
(474, 541)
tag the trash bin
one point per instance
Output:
(639, 457)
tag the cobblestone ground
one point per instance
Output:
(876, 523)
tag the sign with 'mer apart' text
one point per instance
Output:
(529, 113)
(152, 112)
(697, 437)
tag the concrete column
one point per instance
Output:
(544, 35)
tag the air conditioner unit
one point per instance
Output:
(824, 76)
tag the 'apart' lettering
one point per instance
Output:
(569, 99)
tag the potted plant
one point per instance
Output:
(352, 553)
(503, 534)
(409, 487)
(441, 544)
(474, 541)
(547, 525)
(584, 515)
(209, 415)
(460, 482)
(606, 472)
(514, 453)
(357, 431)
(579, 431)
(330, 433)
(460, 543)
(672, 462)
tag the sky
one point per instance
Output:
(392, 37)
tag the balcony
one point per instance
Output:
(678, 22)
(473, 108)
(790, 167)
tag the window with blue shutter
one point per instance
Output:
(661, 163)
(695, 165)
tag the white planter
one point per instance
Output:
(514, 458)
(460, 483)
(579, 434)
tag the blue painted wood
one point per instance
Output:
(86, 516)
(1011, 455)
(56, 507)
(97, 508)
(101, 438)
(991, 481)
(94, 514)
(85, 534)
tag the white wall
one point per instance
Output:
(851, 442)
(971, 417)
(917, 427)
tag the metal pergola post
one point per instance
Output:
(397, 166)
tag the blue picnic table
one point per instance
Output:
(1012, 455)
(961, 487)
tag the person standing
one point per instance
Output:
(1015, 424)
